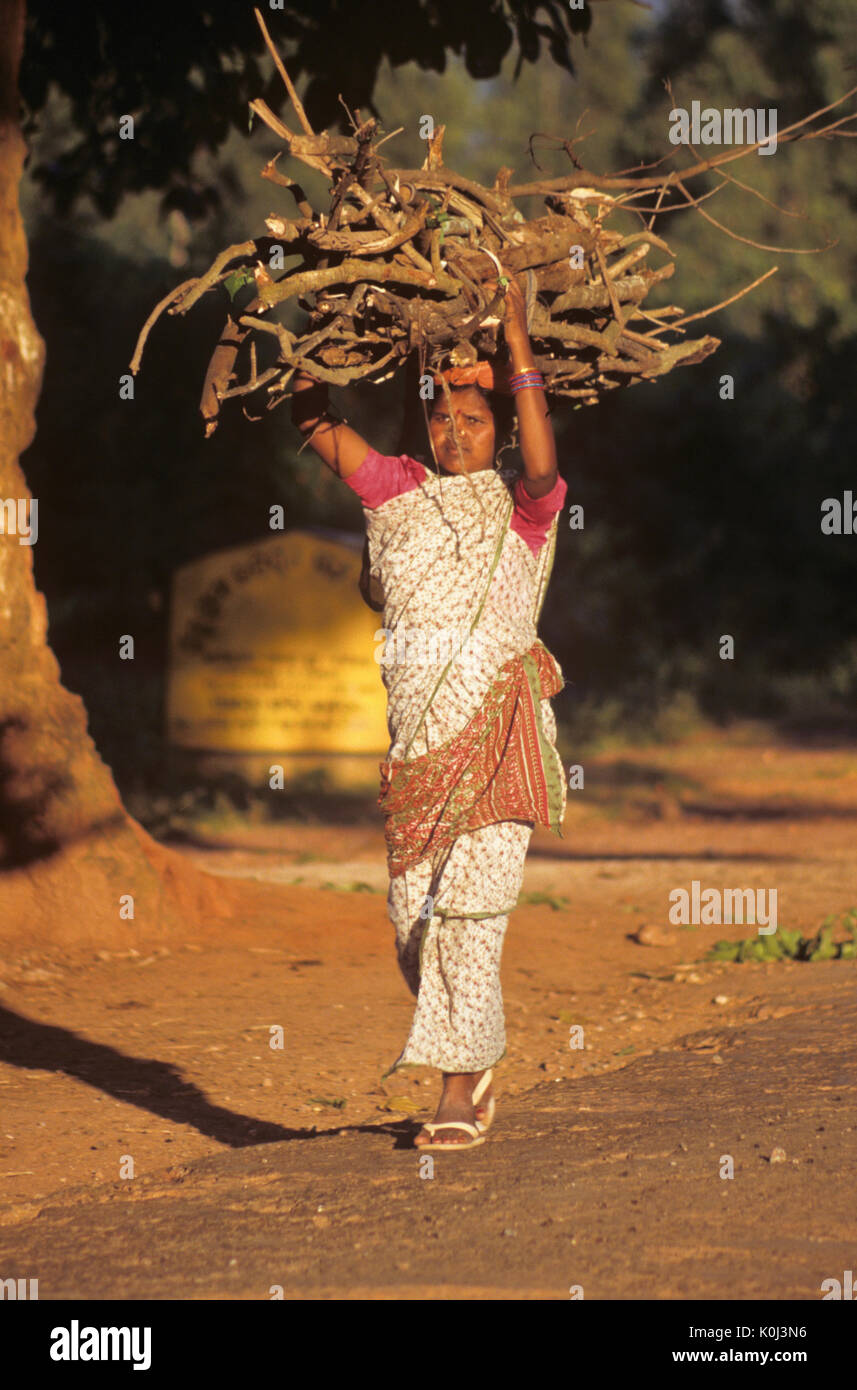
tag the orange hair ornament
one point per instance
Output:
(488, 375)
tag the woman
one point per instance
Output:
(460, 558)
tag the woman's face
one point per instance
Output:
(474, 423)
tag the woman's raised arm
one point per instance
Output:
(336, 444)
(536, 433)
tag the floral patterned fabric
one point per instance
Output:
(451, 961)
(498, 768)
(445, 556)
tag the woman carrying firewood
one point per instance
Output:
(472, 765)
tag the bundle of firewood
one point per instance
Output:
(415, 262)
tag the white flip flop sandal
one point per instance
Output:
(479, 1090)
(432, 1129)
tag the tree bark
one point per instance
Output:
(70, 855)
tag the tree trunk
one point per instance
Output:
(70, 855)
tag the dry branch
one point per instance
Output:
(404, 260)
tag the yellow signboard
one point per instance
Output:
(272, 651)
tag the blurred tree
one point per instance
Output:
(191, 87)
(703, 512)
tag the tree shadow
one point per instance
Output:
(141, 1081)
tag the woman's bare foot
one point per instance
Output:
(456, 1103)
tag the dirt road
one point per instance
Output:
(156, 1144)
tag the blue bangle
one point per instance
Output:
(522, 380)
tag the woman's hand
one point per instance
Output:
(515, 316)
(514, 311)
(537, 441)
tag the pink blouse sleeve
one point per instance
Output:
(533, 515)
(382, 476)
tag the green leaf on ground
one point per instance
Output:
(359, 887)
(788, 944)
(552, 900)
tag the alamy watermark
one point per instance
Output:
(13, 519)
(418, 647)
(19, 1289)
(76, 1343)
(731, 126)
(711, 907)
(844, 1289)
(839, 518)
